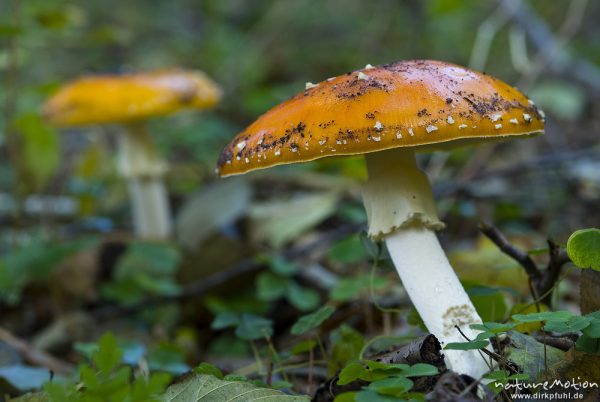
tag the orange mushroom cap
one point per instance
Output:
(417, 103)
(130, 97)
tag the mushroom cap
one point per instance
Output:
(423, 104)
(130, 97)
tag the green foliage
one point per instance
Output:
(34, 262)
(146, 268)
(349, 288)
(391, 386)
(207, 388)
(470, 345)
(304, 346)
(489, 302)
(312, 320)
(107, 380)
(347, 343)
(543, 316)
(271, 287)
(208, 369)
(283, 267)
(40, 150)
(388, 382)
(583, 248)
(247, 326)
(373, 371)
(348, 251)
(253, 327)
(501, 377)
(536, 359)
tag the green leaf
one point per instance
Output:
(281, 384)
(489, 302)
(543, 316)
(536, 359)
(573, 324)
(271, 287)
(149, 389)
(283, 267)
(209, 369)
(8, 30)
(351, 372)
(347, 345)
(304, 346)
(373, 249)
(493, 327)
(146, 267)
(34, 263)
(168, 358)
(372, 396)
(40, 149)
(252, 327)
(583, 248)
(108, 355)
(313, 320)
(304, 299)
(346, 397)
(593, 330)
(349, 288)
(466, 345)
(392, 386)
(588, 344)
(225, 319)
(347, 251)
(420, 369)
(207, 388)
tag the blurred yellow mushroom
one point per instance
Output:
(130, 99)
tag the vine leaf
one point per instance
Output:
(583, 248)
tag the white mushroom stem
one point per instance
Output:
(401, 210)
(144, 171)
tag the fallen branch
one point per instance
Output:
(507, 248)
(541, 281)
(34, 356)
(560, 342)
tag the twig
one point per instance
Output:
(542, 281)
(507, 248)
(35, 356)
(561, 342)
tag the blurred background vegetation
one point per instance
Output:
(70, 270)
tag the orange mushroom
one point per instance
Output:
(131, 99)
(388, 113)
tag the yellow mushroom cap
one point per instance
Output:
(417, 103)
(130, 97)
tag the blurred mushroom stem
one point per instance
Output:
(144, 170)
(401, 210)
